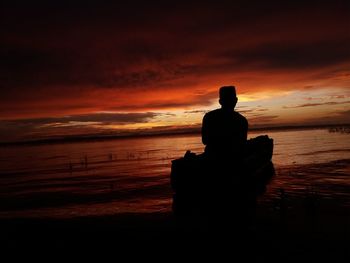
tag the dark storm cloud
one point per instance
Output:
(34, 68)
(263, 119)
(196, 111)
(106, 118)
(329, 103)
(295, 57)
(18, 129)
(100, 44)
(160, 105)
(198, 99)
(66, 49)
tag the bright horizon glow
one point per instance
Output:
(265, 108)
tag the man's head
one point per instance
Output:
(228, 98)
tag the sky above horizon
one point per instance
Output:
(91, 67)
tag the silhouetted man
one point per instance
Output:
(224, 131)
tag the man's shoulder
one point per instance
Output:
(219, 112)
(241, 118)
(212, 113)
(238, 115)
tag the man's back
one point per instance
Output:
(224, 132)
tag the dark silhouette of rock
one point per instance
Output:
(194, 179)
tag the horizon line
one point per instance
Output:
(181, 131)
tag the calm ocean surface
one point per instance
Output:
(132, 175)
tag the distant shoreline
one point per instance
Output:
(189, 131)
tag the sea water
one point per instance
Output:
(131, 175)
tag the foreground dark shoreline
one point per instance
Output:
(270, 239)
(309, 228)
(296, 236)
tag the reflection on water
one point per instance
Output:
(132, 175)
(309, 146)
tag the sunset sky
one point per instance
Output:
(90, 68)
